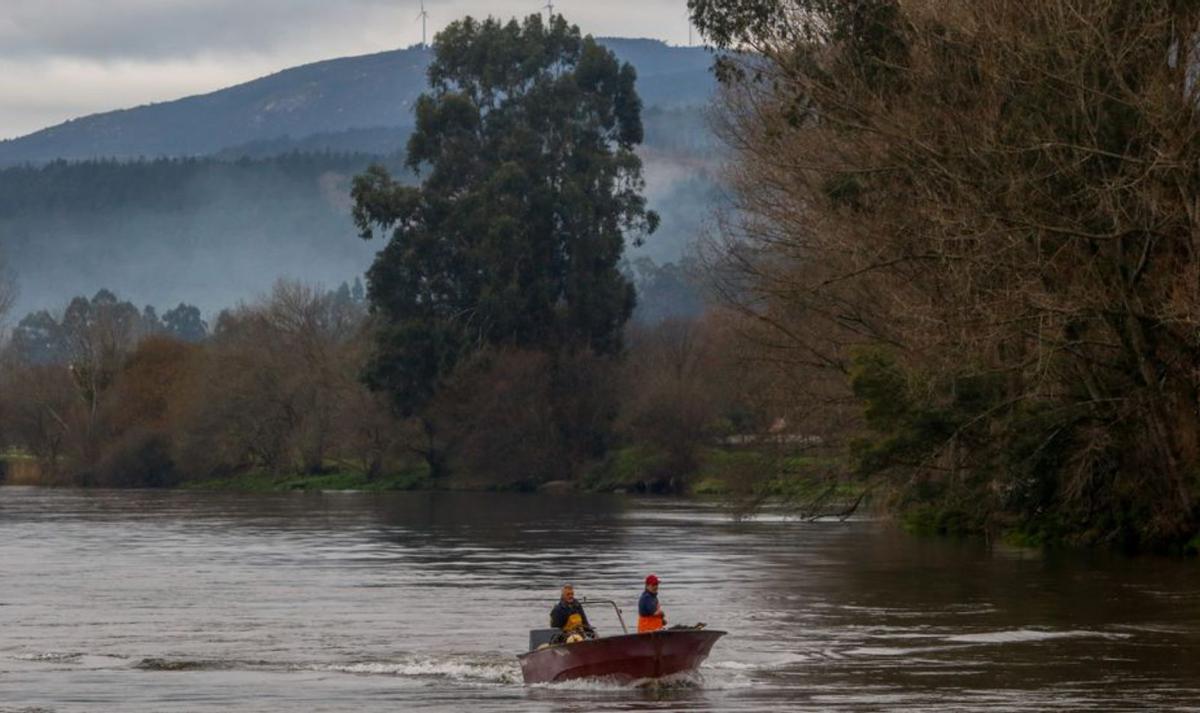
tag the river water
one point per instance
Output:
(183, 601)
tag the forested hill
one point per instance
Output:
(350, 104)
(202, 231)
(256, 186)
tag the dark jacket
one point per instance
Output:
(563, 611)
(648, 604)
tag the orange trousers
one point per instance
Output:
(649, 623)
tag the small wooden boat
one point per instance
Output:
(625, 658)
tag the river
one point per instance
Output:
(188, 601)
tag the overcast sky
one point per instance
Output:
(61, 59)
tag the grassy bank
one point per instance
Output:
(719, 473)
(19, 468)
(725, 473)
(264, 482)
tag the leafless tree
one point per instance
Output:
(280, 376)
(100, 334)
(996, 192)
(40, 413)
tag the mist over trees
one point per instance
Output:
(202, 231)
(968, 230)
(104, 325)
(213, 232)
(8, 292)
(673, 290)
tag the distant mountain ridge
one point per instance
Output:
(361, 103)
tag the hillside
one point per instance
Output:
(257, 183)
(349, 104)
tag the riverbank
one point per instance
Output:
(263, 482)
(742, 480)
(719, 473)
(20, 469)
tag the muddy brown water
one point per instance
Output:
(184, 601)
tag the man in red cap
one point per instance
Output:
(650, 614)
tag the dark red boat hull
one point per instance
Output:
(624, 658)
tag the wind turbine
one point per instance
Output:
(423, 16)
(549, 7)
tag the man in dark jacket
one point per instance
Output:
(568, 615)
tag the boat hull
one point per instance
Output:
(625, 658)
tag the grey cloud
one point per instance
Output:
(147, 29)
(139, 29)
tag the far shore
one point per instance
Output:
(628, 471)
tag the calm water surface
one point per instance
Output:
(176, 601)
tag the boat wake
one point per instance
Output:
(162, 664)
(940, 644)
(415, 670)
(51, 656)
(1019, 636)
(464, 669)
(772, 663)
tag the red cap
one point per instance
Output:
(651, 579)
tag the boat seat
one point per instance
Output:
(537, 637)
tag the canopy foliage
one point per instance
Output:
(529, 185)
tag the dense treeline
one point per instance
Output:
(44, 338)
(103, 393)
(203, 231)
(110, 395)
(81, 189)
(969, 232)
(670, 129)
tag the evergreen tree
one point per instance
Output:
(39, 339)
(525, 143)
(184, 323)
(151, 324)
